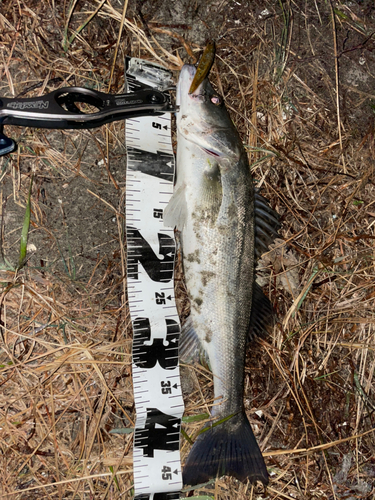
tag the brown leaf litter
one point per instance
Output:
(298, 79)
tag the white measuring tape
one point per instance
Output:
(150, 280)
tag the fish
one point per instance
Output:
(223, 224)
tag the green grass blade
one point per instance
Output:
(322, 377)
(314, 274)
(202, 497)
(73, 273)
(122, 430)
(25, 230)
(69, 264)
(67, 42)
(195, 418)
(114, 476)
(198, 486)
(219, 422)
(186, 436)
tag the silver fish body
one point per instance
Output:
(213, 208)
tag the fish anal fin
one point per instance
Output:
(190, 347)
(230, 449)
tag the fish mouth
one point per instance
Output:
(187, 75)
(217, 148)
(192, 77)
(210, 152)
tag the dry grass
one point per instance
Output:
(308, 122)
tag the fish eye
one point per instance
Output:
(217, 100)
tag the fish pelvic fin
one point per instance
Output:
(229, 449)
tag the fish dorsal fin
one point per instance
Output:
(190, 347)
(263, 315)
(267, 225)
(175, 213)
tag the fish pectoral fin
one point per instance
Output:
(190, 347)
(230, 449)
(175, 213)
(263, 315)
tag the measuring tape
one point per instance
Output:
(150, 280)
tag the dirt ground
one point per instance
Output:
(298, 77)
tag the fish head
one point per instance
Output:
(204, 120)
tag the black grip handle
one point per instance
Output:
(59, 108)
(77, 108)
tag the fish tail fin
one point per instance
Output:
(229, 448)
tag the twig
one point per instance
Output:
(337, 82)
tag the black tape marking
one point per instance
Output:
(140, 252)
(146, 356)
(158, 164)
(161, 432)
(172, 495)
